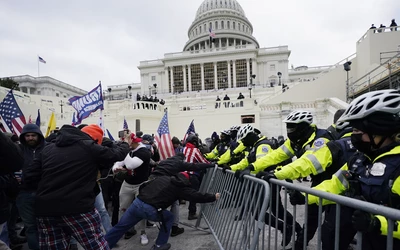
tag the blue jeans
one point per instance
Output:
(26, 208)
(136, 212)
(105, 217)
(4, 234)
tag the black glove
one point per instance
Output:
(225, 167)
(261, 174)
(296, 198)
(365, 222)
(241, 173)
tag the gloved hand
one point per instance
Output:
(241, 173)
(261, 174)
(365, 222)
(117, 167)
(296, 198)
(225, 167)
(266, 176)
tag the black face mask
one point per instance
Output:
(361, 145)
(250, 139)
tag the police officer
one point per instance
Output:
(260, 147)
(321, 164)
(302, 136)
(222, 147)
(373, 172)
(229, 157)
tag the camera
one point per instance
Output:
(122, 133)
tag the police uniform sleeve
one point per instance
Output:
(239, 148)
(337, 185)
(212, 155)
(225, 157)
(261, 152)
(240, 165)
(282, 153)
(313, 162)
(382, 219)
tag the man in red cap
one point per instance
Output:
(137, 164)
(65, 174)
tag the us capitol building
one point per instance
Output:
(222, 57)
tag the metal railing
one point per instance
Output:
(238, 219)
(367, 81)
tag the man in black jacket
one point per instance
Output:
(11, 161)
(32, 143)
(154, 197)
(65, 175)
(172, 166)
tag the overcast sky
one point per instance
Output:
(87, 41)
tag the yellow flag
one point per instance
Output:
(52, 124)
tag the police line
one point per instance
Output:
(237, 220)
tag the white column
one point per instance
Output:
(166, 82)
(215, 76)
(219, 42)
(248, 70)
(184, 77)
(229, 75)
(190, 78)
(202, 75)
(227, 42)
(172, 79)
(234, 42)
(28, 90)
(234, 74)
(254, 68)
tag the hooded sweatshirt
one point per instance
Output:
(30, 152)
(65, 172)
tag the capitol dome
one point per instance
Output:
(209, 5)
(228, 24)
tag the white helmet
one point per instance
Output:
(299, 116)
(235, 127)
(341, 125)
(384, 101)
(244, 131)
(226, 132)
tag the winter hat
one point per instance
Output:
(185, 174)
(95, 132)
(135, 138)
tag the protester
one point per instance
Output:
(154, 197)
(64, 175)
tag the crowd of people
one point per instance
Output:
(61, 186)
(393, 27)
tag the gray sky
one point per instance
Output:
(87, 41)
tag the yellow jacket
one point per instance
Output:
(254, 155)
(285, 152)
(339, 184)
(314, 161)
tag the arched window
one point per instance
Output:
(222, 25)
(196, 31)
(210, 25)
(243, 27)
(200, 29)
(205, 27)
(234, 25)
(229, 25)
(216, 25)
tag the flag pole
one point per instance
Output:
(38, 71)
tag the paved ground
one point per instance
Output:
(193, 239)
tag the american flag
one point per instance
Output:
(41, 60)
(125, 124)
(190, 130)
(212, 34)
(74, 120)
(12, 118)
(163, 139)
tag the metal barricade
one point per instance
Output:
(237, 219)
(243, 219)
(339, 203)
